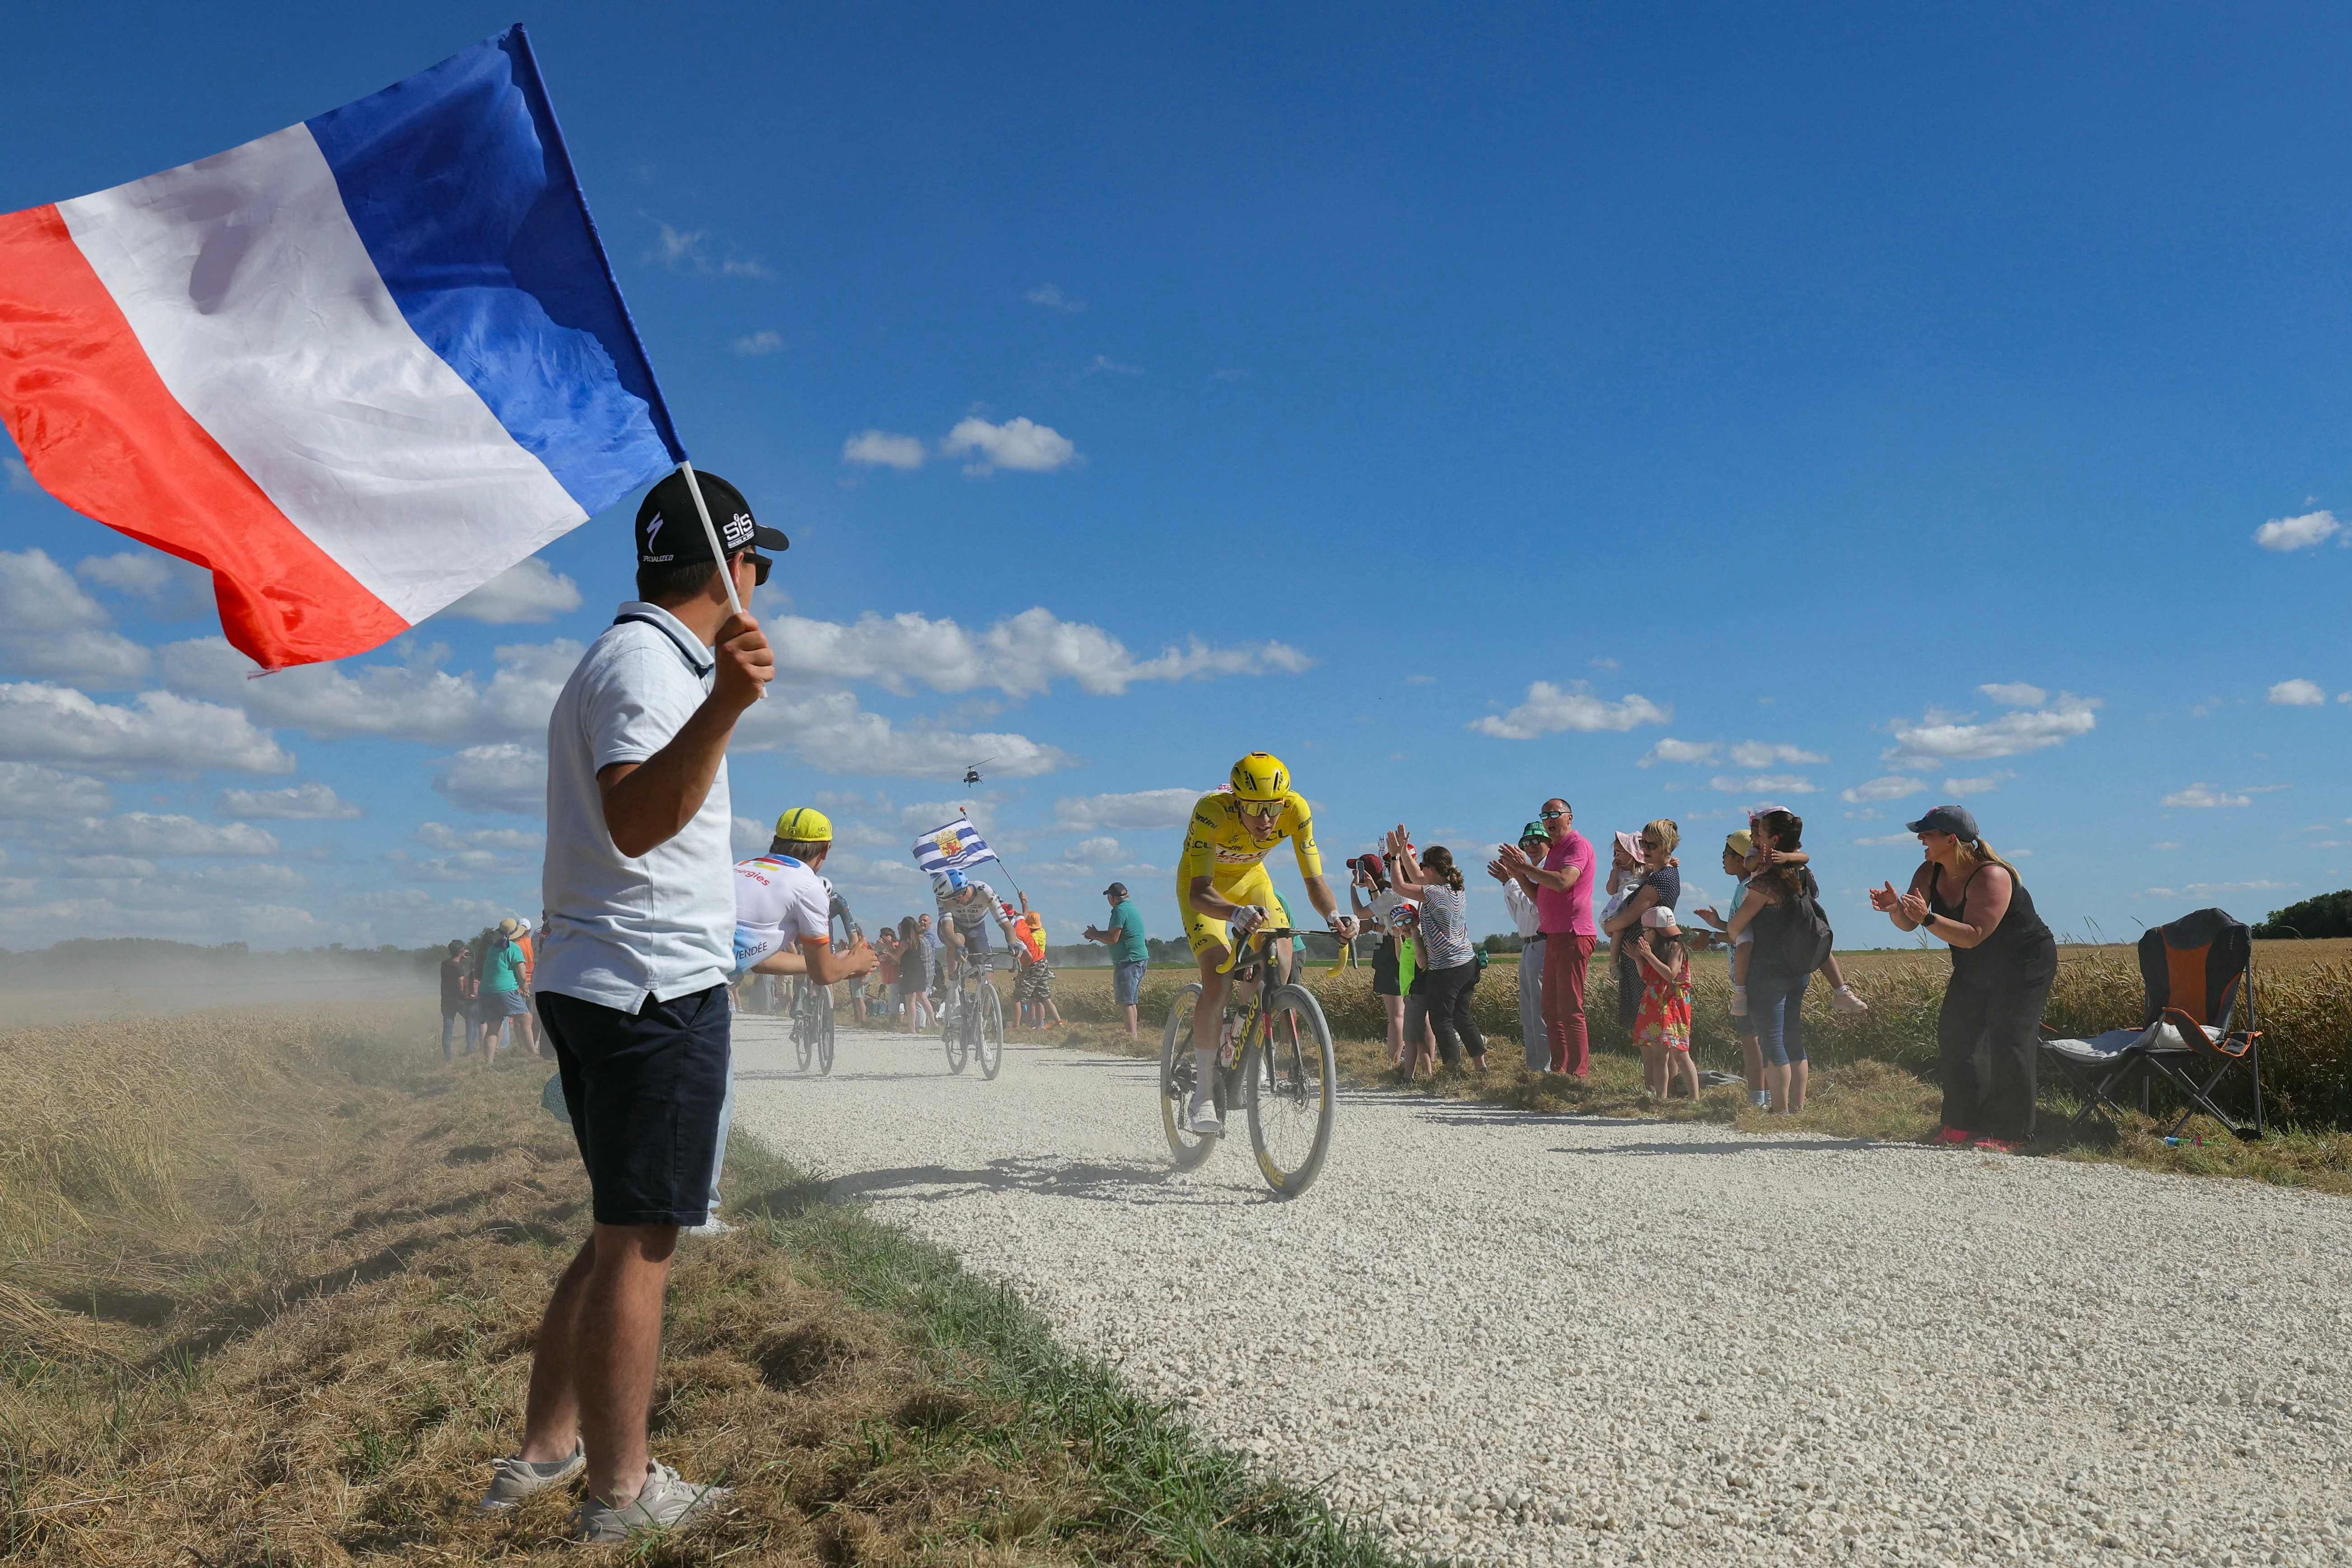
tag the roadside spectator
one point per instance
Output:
(502, 993)
(453, 998)
(1782, 909)
(1662, 1025)
(2004, 960)
(1130, 957)
(1522, 906)
(914, 970)
(475, 948)
(633, 991)
(1737, 848)
(1779, 840)
(1033, 983)
(1449, 960)
(1653, 881)
(1561, 885)
(1393, 960)
(885, 975)
(525, 1026)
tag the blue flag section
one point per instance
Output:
(460, 185)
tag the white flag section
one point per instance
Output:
(952, 848)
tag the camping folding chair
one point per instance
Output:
(2197, 971)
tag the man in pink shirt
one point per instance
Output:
(1562, 888)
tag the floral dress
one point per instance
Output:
(1664, 1018)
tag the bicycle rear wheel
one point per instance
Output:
(1292, 1077)
(990, 1043)
(1177, 1076)
(803, 1041)
(824, 1030)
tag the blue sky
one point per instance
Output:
(1834, 406)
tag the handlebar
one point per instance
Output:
(1267, 933)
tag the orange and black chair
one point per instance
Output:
(2199, 972)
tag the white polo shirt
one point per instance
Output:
(621, 928)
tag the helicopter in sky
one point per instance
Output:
(972, 772)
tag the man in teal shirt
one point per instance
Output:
(1128, 956)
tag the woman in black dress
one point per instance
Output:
(2004, 962)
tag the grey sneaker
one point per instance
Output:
(513, 1479)
(667, 1503)
(709, 1229)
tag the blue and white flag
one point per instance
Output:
(951, 849)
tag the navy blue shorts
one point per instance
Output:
(644, 1090)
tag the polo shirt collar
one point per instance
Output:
(696, 652)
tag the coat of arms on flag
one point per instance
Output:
(951, 848)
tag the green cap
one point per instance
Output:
(1533, 830)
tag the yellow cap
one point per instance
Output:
(1260, 776)
(1740, 842)
(804, 825)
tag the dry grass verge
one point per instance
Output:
(268, 1296)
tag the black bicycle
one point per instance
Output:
(1276, 1060)
(812, 1014)
(972, 1019)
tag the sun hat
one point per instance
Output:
(1740, 842)
(1956, 820)
(510, 927)
(1534, 830)
(1661, 917)
(1630, 845)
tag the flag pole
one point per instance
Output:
(717, 551)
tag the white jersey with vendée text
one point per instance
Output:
(780, 902)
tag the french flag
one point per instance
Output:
(355, 369)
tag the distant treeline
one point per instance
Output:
(2329, 915)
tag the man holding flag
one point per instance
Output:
(633, 988)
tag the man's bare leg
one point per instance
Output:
(615, 1349)
(550, 1422)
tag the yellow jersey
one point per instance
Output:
(1219, 846)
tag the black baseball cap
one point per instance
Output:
(1956, 820)
(669, 530)
(1116, 889)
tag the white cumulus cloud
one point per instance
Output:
(1143, 808)
(829, 731)
(2297, 693)
(1890, 786)
(1979, 785)
(1022, 656)
(503, 776)
(1762, 783)
(441, 836)
(1945, 737)
(1670, 750)
(1101, 851)
(757, 344)
(1549, 709)
(48, 625)
(1050, 295)
(20, 478)
(175, 590)
(2297, 533)
(150, 833)
(529, 590)
(415, 700)
(41, 722)
(1766, 755)
(297, 802)
(881, 450)
(2204, 795)
(1018, 444)
(2014, 693)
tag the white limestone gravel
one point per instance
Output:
(1552, 1339)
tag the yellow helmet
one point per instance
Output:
(804, 825)
(1260, 776)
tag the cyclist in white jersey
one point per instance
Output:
(785, 907)
(966, 908)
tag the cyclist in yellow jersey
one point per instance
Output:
(1223, 891)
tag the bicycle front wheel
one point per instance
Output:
(1188, 1148)
(823, 1029)
(951, 1030)
(990, 1043)
(1291, 1078)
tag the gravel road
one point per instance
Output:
(1551, 1340)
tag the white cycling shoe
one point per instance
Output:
(1202, 1118)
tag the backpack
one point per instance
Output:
(1794, 937)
